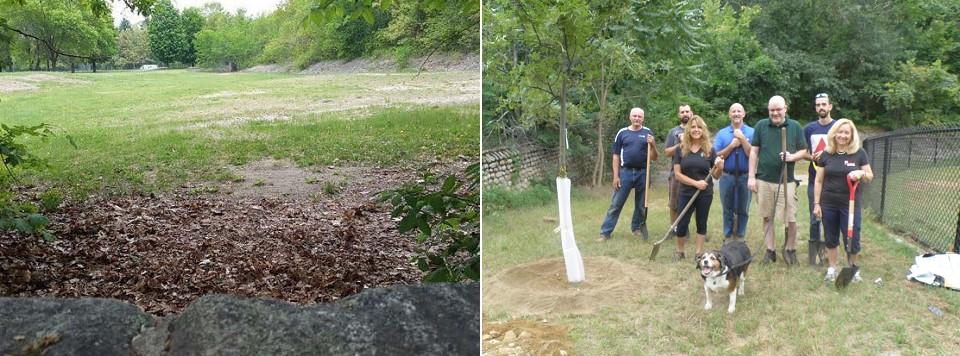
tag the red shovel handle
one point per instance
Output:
(852, 184)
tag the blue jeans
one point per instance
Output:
(630, 178)
(814, 223)
(734, 205)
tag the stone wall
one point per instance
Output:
(516, 167)
(435, 319)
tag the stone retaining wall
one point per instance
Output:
(516, 167)
(435, 319)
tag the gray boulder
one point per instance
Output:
(414, 320)
(55, 326)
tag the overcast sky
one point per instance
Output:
(253, 7)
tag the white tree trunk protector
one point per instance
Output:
(571, 255)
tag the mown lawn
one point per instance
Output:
(145, 131)
(785, 310)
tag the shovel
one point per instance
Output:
(646, 185)
(846, 274)
(656, 245)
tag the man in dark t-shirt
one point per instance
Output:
(629, 150)
(816, 135)
(670, 146)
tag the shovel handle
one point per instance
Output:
(646, 180)
(852, 185)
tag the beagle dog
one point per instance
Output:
(724, 270)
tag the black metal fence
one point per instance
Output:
(917, 186)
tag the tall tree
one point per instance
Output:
(133, 48)
(167, 41)
(192, 22)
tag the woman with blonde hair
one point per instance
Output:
(842, 160)
(691, 166)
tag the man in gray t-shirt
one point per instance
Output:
(684, 113)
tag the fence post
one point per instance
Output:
(956, 240)
(936, 150)
(909, 152)
(886, 172)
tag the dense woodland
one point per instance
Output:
(887, 64)
(67, 35)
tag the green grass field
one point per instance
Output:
(156, 130)
(785, 310)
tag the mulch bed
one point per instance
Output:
(162, 252)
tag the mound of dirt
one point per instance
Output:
(541, 288)
(268, 68)
(445, 62)
(525, 337)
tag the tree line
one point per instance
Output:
(58, 34)
(885, 63)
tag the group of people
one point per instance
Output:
(749, 160)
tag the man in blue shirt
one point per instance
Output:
(816, 135)
(630, 150)
(733, 144)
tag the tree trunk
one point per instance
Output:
(73, 67)
(94, 66)
(562, 173)
(602, 99)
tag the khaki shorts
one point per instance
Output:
(674, 188)
(765, 196)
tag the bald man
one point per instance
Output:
(630, 148)
(767, 159)
(733, 144)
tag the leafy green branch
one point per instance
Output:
(447, 222)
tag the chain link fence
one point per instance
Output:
(917, 187)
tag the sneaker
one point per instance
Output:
(678, 256)
(857, 278)
(831, 275)
(603, 238)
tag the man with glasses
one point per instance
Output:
(684, 113)
(733, 144)
(767, 159)
(815, 134)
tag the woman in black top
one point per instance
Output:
(691, 166)
(842, 158)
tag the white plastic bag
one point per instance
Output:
(571, 255)
(939, 270)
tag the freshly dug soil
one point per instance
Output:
(541, 288)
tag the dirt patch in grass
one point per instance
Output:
(230, 94)
(28, 82)
(541, 287)
(9, 84)
(283, 178)
(525, 337)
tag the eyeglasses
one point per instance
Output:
(821, 95)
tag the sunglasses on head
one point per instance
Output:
(821, 95)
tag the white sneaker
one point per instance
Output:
(831, 275)
(857, 278)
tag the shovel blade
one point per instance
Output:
(845, 276)
(656, 248)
